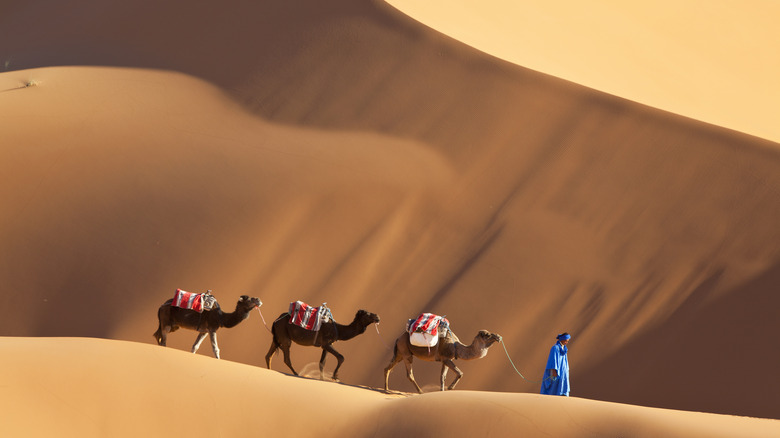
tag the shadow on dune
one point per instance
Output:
(679, 356)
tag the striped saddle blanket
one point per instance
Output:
(193, 301)
(308, 317)
(426, 329)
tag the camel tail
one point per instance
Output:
(158, 333)
(395, 352)
(274, 342)
(274, 339)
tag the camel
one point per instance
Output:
(172, 318)
(285, 333)
(446, 351)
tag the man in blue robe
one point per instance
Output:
(556, 374)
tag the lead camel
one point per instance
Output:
(447, 350)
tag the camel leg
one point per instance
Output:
(161, 335)
(410, 374)
(443, 374)
(287, 361)
(393, 362)
(458, 372)
(270, 354)
(163, 314)
(164, 335)
(214, 346)
(322, 364)
(198, 340)
(339, 358)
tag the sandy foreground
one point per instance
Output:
(346, 153)
(92, 387)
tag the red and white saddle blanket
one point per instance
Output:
(306, 316)
(193, 301)
(426, 329)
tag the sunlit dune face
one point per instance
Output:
(708, 69)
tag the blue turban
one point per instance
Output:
(563, 336)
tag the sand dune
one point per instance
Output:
(118, 388)
(344, 153)
(702, 60)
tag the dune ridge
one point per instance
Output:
(343, 153)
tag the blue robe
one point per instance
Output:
(559, 361)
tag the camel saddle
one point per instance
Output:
(308, 317)
(426, 329)
(193, 301)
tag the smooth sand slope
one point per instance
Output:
(118, 389)
(708, 61)
(344, 153)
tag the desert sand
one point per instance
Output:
(704, 60)
(120, 388)
(344, 152)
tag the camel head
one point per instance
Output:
(366, 318)
(488, 338)
(247, 303)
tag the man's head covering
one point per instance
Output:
(563, 336)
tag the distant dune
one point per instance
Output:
(342, 152)
(703, 60)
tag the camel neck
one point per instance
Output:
(346, 332)
(229, 320)
(469, 352)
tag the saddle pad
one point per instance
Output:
(428, 323)
(421, 339)
(193, 301)
(306, 316)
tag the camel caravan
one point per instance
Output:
(427, 337)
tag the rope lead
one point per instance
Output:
(513, 365)
(388, 347)
(261, 317)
